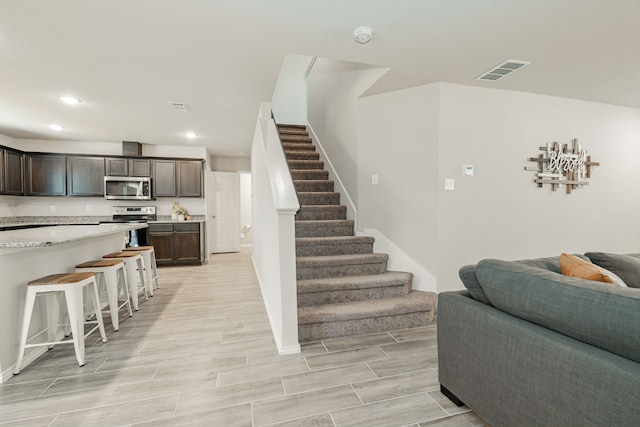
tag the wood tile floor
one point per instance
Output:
(201, 353)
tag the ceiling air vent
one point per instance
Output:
(503, 70)
(179, 106)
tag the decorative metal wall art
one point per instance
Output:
(566, 166)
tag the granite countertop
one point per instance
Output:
(56, 235)
(167, 218)
(77, 220)
(51, 220)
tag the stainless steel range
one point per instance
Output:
(138, 237)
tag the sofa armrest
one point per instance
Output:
(513, 372)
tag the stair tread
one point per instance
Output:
(320, 207)
(389, 278)
(334, 260)
(415, 301)
(334, 240)
(323, 222)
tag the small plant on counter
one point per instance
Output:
(178, 209)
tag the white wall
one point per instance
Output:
(416, 137)
(398, 141)
(289, 101)
(332, 89)
(230, 164)
(274, 206)
(500, 212)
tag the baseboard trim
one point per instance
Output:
(423, 280)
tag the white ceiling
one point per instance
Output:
(126, 59)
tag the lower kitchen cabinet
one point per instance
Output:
(176, 243)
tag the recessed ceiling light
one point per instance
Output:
(190, 135)
(55, 126)
(69, 100)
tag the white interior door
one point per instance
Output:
(223, 207)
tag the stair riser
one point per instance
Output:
(318, 331)
(343, 296)
(292, 131)
(308, 213)
(301, 155)
(318, 272)
(309, 174)
(298, 146)
(305, 164)
(319, 199)
(325, 232)
(309, 186)
(295, 138)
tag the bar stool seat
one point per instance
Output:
(133, 262)
(72, 285)
(110, 275)
(149, 255)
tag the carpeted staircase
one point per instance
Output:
(343, 287)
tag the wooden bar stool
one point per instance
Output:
(133, 262)
(149, 255)
(72, 285)
(110, 274)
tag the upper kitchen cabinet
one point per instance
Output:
(46, 175)
(125, 166)
(13, 172)
(177, 178)
(189, 178)
(85, 176)
(164, 178)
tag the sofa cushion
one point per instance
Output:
(571, 265)
(607, 317)
(468, 276)
(625, 266)
(470, 281)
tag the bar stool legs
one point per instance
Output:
(111, 274)
(133, 262)
(72, 286)
(149, 255)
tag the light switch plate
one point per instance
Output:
(374, 179)
(449, 184)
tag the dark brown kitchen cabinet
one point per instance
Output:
(176, 243)
(189, 178)
(124, 166)
(85, 176)
(164, 178)
(2, 171)
(46, 175)
(186, 243)
(161, 238)
(13, 172)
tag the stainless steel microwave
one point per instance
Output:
(127, 188)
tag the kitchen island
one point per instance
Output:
(28, 254)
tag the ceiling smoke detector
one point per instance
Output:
(362, 34)
(179, 106)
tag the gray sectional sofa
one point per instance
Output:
(525, 345)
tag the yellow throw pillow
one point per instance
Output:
(571, 265)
